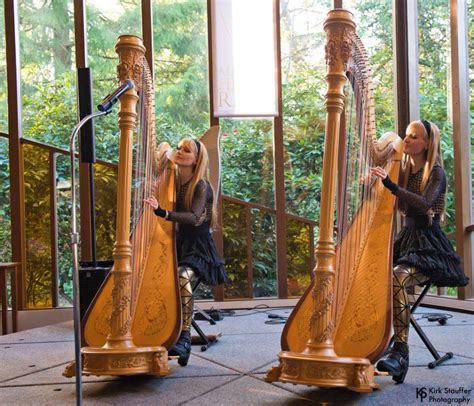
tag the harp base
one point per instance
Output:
(356, 374)
(121, 362)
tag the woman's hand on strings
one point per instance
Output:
(364, 179)
(151, 200)
(379, 172)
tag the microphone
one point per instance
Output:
(112, 98)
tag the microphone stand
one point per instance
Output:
(75, 257)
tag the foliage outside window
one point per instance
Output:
(47, 70)
(247, 174)
(39, 261)
(5, 234)
(106, 21)
(434, 72)
(180, 71)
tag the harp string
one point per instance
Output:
(143, 181)
(360, 196)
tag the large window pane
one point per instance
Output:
(435, 90)
(249, 220)
(105, 184)
(247, 160)
(434, 72)
(303, 70)
(63, 216)
(39, 261)
(181, 73)
(106, 21)
(374, 27)
(47, 70)
(5, 232)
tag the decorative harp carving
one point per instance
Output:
(342, 323)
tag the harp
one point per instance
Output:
(136, 315)
(342, 323)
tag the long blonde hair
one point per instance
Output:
(200, 172)
(432, 154)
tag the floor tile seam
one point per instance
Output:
(236, 379)
(34, 372)
(270, 364)
(234, 369)
(209, 391)
(218, 363)
(282, 388)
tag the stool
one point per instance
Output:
(438, 359)
(203, 339)
(5, 269)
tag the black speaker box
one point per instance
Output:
(90, 279)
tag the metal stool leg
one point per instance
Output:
(438, 358)
(205, 340)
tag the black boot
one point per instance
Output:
(395, 362)
(182, 348)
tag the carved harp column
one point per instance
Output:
(318, 364)
(119, 355)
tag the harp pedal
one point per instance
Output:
(381, 373)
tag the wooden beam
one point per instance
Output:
(147, 32)
(15, 133)
(85, 169)
(218, 234)
(405, 41)
(53, 223)
(461, 138)
(279, 172)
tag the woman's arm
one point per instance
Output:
(195, 216)
(436, 185)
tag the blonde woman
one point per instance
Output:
(195, 216)
(421, 250)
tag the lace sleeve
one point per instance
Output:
(194, 216)
(435, 187)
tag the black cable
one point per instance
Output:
(265, 309)
(441, 318)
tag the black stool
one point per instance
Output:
(438, 358)
(202, 339)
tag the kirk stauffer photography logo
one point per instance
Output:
(444, 395)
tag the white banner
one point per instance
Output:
(244, 58)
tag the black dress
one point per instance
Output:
(194, 243)
(422, 243)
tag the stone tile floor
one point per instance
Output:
(232, 371)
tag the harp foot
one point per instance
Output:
(273, 374)
(356, 374)
(126, 361)
(70, 370)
